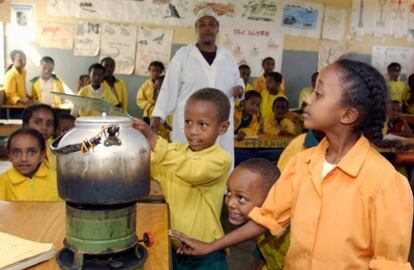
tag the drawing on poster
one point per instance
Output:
(251, 44)
(118, 41)
(152, 44)
(55, 35)
(300, 17)
(334, 24)
(87, 39)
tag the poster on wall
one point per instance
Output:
(2, 52)
(59, 8)
(329, 52)
(382, 56)
(250, 45)
(153, 44)
(334, 24)
(55, 35)
(87, 39)
(22, 20)
(118, 41)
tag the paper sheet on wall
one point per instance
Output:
(87, 39)
(22, 23)
(59, 8)
(302, 19)
(329, 52)
(382, 56)
(55, 35)
(251, 44)
(334, 24)
(2, 63)
(152, 44)
(118, 41)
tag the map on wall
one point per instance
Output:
(302, 19)
(152, 44)
(251, 44)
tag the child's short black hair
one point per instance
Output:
(365, 89)
(220, 100)
(64, 116)
(27, 131)
(14, 53)
(267, 59)
(108, 58)
(47, 60)
(276, 76)
(157, 64)
(251, 94)
(96, 66)
(28, 112)
(280, 98)
(244, 66)
(83, 76)
(394, 65)
(266, 169)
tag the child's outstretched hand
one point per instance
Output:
(190, 246)
(146, 131)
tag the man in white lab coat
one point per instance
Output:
(193, 67)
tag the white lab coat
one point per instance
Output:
(188, 72)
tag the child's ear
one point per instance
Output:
(223, 127)
(349, 116)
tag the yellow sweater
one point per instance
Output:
(397, 90)
(273, 249)
(260, 85)
(15, 85)
(121, 93)
(41, 187)
(37, 91)
(254, 125)
(303, 95)
(266, 105)
(106, 94)
(193, 184)
(271, 127)
(145, 98)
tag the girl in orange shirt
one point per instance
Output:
(347, 207)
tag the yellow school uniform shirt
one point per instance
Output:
(303, 95)
(267, 103)
(193, 184)
(254, 125)
(50, 160)
(273, 250)
(145, 98)
(37, 91)
(41, 187)
(271, 127)
(15, 85)
(260, 85)
(295, 146)
(120, 93)
(248, 87)
(358, 216)
(106, 94)
(397, 90)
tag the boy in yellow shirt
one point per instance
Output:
(146, 95)
(15, 80)
(116, 85)
(96, 89)
(397, 89)
(29, 179)
(47, 82)
(273, 81)
(193, 176)
(248, 186)
(268, 65)
(282, 121)
(246, 115)
(245, 75)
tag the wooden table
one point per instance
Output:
(45, 222)
(21, 107)
(408, 117)
(7, 129)
(264, 141)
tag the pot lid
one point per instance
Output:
(104, 119)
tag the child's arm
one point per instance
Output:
(269, 126)
(146, 131)
(143, 99)
(197, 248)
(391, 216)
(253, 128)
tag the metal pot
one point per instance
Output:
(102, 161)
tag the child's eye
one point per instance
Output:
(32, 152)
(228, 194)
(203, 125)
(15, 153)
(49, 124)
(242, 199)
(187, 122)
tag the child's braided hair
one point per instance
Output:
(365, 89)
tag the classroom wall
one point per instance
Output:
(300, 55)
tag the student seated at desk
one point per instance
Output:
(15, 80)
(47, 82)
(268, 65)
(116, 85)
(246, 115)
(83, 81)
(397, 89)
(248, 186)
(245, 75)
(193, 176)
(30, 179)
(96, 90)
(41, 117)
(395, 123)
(282, 122)
(273, 81)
